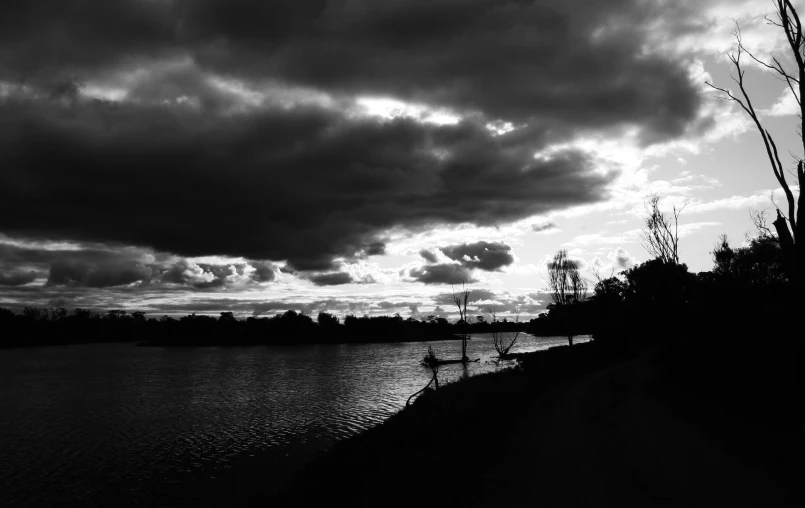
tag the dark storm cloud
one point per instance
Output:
(373, 249)
(562, 62)
(102, 266)
(442, 274)
(172, 168)
(428, 256)
(515, 60)
(92, 266)
(29, 253)
(338, 278)
(16, 278)
(488, 256)
(263, 272)
(303, 184)
(331, 279)
(31, 30)
(115, 272)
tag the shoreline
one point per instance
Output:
(618, 423)
(258, 479)
(430, 418)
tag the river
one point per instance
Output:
(104, 424)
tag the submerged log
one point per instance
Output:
(427, 362)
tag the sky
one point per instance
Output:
(364, 157)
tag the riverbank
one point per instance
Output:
(581, 426)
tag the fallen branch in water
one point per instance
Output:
(431, 361)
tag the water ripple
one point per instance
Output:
(85, 424)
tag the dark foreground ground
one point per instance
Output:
(677, 424)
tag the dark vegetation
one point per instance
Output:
(54, 326)
(37, 326)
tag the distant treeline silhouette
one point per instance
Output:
(42, 326)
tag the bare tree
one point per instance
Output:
(596, 271)
(557, 277)
(660, 233)
(461, 300)
(565, 281)
(759, 220)
(566, 284)
(791, 240)
(578, 286)
(503, 339)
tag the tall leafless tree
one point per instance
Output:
(596, 271)
(790, 228)
(461, 299)
(761, 223)
(660, 233)
(567, 285)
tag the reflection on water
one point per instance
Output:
(103, 424)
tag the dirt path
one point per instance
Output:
(605, 440)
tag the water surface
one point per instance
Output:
(102, 424)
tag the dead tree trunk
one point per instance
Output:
(788, 246)
(790, 229)
(461, 300)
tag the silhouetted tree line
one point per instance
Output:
(747, 291)
(53, 326)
